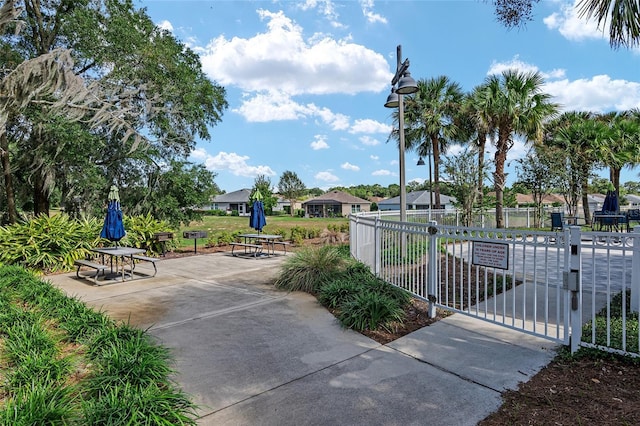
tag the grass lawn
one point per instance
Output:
(275, 224)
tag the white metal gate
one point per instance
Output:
(537, 282)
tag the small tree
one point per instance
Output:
(263, 185)
(462, 171)
(538, 172)
(291, 187)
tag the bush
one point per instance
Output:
(298, 234)
(220, 238)
(141, 232)
(310, 269)
(48, 244)
(336, 293)
(370, 310)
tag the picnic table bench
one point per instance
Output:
(152, 260)
(99, 267)
(257, 248)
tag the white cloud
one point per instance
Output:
(383, 172)
(367, 11)
(236, 164)
(278, 106)
(369, 126)
(517, 64)
(165, 25)
(374, 157)
(599, 93)
(572, 27)
(326, 177)
(280, 59)
(369, 141)
(320, 142)
(326, 8)
(349, 166)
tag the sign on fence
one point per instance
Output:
(494, 255)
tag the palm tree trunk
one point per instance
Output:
(498, 177)
(482, 142)
(436, 167)
(585, 202)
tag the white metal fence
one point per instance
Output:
(551, 284)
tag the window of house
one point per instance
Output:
(355, 208)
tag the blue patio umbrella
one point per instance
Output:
(257, 219)
(113, 227)
(610, 203)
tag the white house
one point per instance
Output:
(417, 200)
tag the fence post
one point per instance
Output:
(376, 247)
(573, 285)
(635, 271)
(432, 269)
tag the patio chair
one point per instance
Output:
(557, 221)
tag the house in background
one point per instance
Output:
(550, 200)
(239, 200)
(335, 203)
(236, 200)
(417, 200)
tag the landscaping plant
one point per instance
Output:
(64, 363)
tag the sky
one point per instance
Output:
(306, 81)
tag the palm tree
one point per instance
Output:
(478, 131)
(620, 144)
(430, 116)
(512, 104)
(623, 17)
(575, 135)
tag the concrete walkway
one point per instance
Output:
(249, 354)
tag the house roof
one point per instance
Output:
(419, 198)
(548, 199)
(336, 197)
(240, 196)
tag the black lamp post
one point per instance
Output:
(405, 86)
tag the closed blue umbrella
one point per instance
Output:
(257, 219)
(610, 203)
(113, 227)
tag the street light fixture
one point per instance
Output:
(405, 86)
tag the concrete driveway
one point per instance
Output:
(249, 354)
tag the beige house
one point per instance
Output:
(335, 204)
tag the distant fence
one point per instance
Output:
(513, 217)
(538, 282)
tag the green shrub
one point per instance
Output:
(369, 310)
(310, 268)
(48, 244)
(235, 213)
(220, 238)
(336, 293)
(298, 234)
(376, 285)
(141, 232)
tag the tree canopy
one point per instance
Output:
(94, 86)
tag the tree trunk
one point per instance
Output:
(585, 202)
(498, 176)
(436, 167)
(40, 196)
(614, 177)
(12, 212)
(482, 142)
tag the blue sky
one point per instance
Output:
(306, 80)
